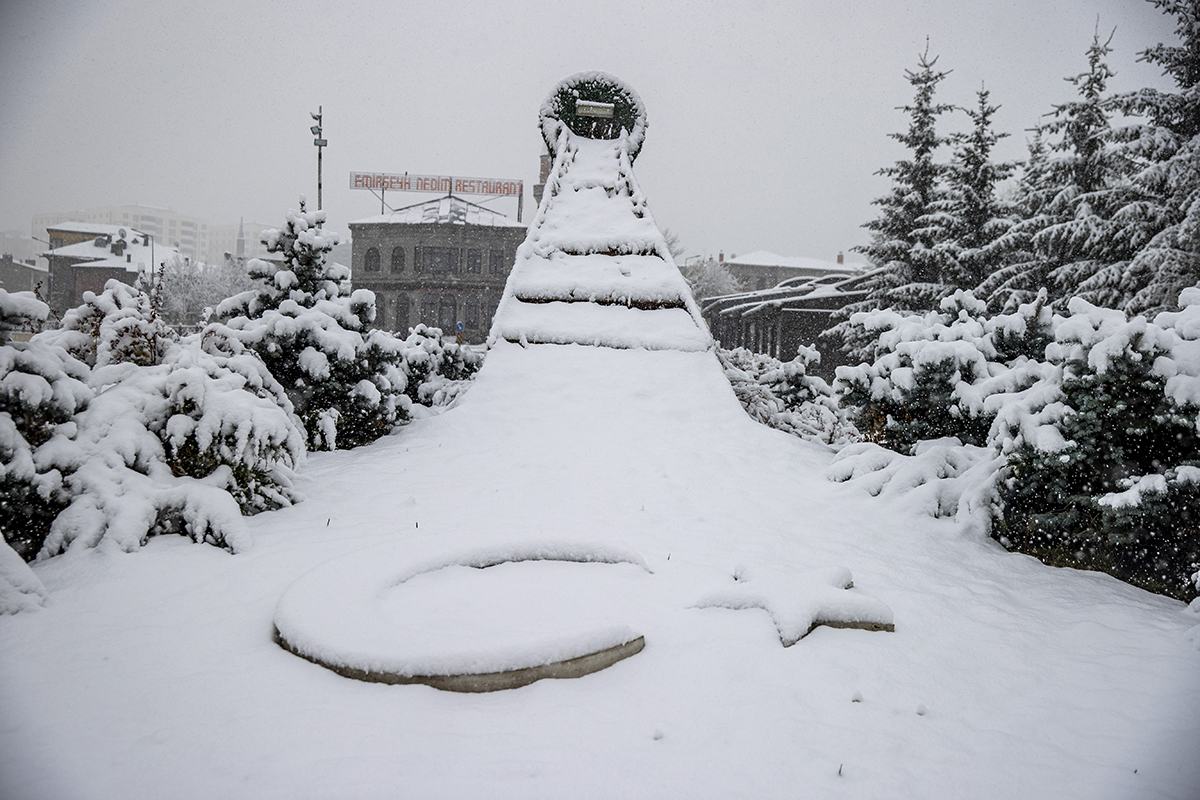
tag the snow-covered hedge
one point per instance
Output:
(436, 371)
(934, 374)
(784, 396)
(42, 388)
(1103, 466)
(347, 383)
(112, 428)
(1080, 434)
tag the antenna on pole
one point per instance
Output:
(321, 144)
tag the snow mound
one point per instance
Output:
(594, 268)
(798, 603)
(497, 617)
(943, 478)
(20, 589)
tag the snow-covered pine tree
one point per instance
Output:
(905, 235)
(1166, 151)
(346, 382)
(1075, 243)
(974, 216)
(1021, 274)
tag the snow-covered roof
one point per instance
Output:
(763, 258)
(448, 210)
(89, 254)
(95, 229)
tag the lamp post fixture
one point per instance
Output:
(320, 143)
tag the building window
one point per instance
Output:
(439, 259)
(380, 311)
(491, 310)
(397, 259)
(471, 314)
(475, 261)
(495, 262)
(372, 264)
(446, 316)
(762, 284)
(401, 314)
(429, 309)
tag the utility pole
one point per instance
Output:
(320, 143)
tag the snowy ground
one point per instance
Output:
(155, 674)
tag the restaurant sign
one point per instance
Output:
(382, 181)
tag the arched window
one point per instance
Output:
(446, 316)
(397, 259)
(372, 261)
(380, 312)
(401, 314)
(429, 310)
(471, 313)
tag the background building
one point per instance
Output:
(762, 270)
(23, 275)
(87, 254)
(188, 234)
(438, 262)
(224, 239)
(193, 237)
(795, 311)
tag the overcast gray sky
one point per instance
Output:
(767, 119)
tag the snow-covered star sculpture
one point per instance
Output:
(798, 603)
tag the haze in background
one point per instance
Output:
(767, 119)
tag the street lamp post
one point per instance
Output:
(321, 144)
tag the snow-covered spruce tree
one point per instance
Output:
(346, 382)
(905, 235)
(1021, 274)
(1072, 243)
(177, 437)
(1166, 153)
(973, 215)
(1103, 470)
(42, 388)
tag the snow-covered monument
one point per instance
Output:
(596, 335)
(595, 269)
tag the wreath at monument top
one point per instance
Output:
(594, 105)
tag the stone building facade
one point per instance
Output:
(438, 263)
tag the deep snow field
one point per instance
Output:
(155, 674)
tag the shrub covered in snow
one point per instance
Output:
(346, 383)
(784, 396)
(436, 371)
(42, 388)
(934, 373)
(159, 435)
(1105, 472)
(1091, 457)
